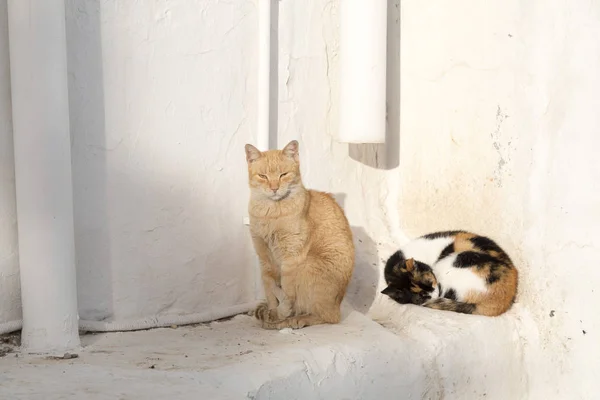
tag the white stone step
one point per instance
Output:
(236, 359)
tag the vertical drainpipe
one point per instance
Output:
(44, 192)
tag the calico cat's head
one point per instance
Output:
(274, 174)
(410, 281)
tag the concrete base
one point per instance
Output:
(463, 356)
(449, 356)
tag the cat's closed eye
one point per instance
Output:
(262, 176)
(427, 287)
(284, 174)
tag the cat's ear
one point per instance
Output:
(388, 290)
(410, 264)
(252, 153)
(291, 150)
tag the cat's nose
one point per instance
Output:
(275, 190)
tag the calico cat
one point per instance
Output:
(303, 241)
(454, 271)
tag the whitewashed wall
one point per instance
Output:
(10, 300)
(162, 102)
(499, 133)
(492, 117)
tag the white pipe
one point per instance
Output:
(264, 75)
(44, 193)
(166, 320)
(363, 59)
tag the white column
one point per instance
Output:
(38, 61)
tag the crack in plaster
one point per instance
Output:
(498, 173)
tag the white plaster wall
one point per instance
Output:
(10, 300)
(498, 135)
(562, 214)
(162, 102)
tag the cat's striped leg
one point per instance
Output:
(270, 278)
(285, 307)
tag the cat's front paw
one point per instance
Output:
(273, 315)
(284, 310)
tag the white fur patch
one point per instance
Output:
(426, 250)
(462, 280)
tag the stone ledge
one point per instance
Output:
(357, 359)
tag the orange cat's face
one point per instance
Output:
(274, 174)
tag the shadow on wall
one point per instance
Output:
(387, 156)
(363, 287)
(88, 138)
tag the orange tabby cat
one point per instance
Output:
(303, 241)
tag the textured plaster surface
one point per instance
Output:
(499, 122)
(225, 360)
(162, 102)
(10, 300)
(357, 359)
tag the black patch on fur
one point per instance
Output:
(447, 251)
(443, 234)
(494, 276)
(450, 294)
(422, 267)
(497, 271)
(485, 244)
(426, 288)
(420, 298)
(396, 259)
(400, 295)
(468, 259)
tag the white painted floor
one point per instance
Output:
(417, 356)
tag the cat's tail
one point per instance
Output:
(442, 303)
